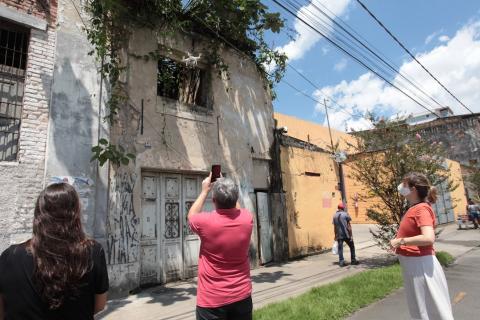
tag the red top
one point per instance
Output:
(419, 215)
(223, 264)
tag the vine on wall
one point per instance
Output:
(242, 23)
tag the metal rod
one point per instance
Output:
(141, 120)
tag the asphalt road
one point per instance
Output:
(464, 285)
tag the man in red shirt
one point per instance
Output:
(224, 284)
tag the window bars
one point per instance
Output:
(14, 42)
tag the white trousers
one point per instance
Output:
(426, 288)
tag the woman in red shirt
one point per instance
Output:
(424, 281)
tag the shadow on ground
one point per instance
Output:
(375, 262)
(270, 277)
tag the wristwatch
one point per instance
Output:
(402, 242)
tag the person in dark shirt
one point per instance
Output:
(59, 273)
(343, 233)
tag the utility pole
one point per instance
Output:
(328, 122)
(341, 182)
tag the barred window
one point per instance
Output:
(13, 60)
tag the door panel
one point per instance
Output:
(265, 226)
(191, 242)
(172, 237)
(150, 266)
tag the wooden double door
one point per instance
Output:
(169, 249)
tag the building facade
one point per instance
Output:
(137, 212)
(27, 56)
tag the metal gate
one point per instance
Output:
(169, 249)
(14, 42)
(443, 208)
(265, 227)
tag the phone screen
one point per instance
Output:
(216, 169)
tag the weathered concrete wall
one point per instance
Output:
(238, 129)
(76, 113)
(311, 200)
(22, 180)
(459, 134)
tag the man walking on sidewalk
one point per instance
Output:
(343, 232)
(224, 284)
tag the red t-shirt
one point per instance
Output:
(223, 264)
(419, 215)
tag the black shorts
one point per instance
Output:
(240, 310)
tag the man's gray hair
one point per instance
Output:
(225, 193)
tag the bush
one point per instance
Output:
(444, 258)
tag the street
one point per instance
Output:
(279, 282)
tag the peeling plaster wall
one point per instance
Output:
(176, 138)
(75, 120)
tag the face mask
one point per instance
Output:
(404, 191)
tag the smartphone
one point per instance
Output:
(216, 170)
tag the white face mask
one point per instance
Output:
(404, 191)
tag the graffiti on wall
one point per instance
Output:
(122, 222)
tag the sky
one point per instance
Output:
(444, 35)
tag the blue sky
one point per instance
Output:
(443, 34)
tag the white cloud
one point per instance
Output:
(456, 63)
(340, 65)
(443, 38)
(432, 36)
(306, 38)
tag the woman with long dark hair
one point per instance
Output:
(423, 277)
(59, 273)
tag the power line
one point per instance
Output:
(351, 55)
(390, 65)
(344, 40)
(409, 53)
(353, 48)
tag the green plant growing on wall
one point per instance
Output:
(381, 157)
(243, 23)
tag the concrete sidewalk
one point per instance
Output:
(270, 284)
(462, 278)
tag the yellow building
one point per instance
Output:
(311, 179)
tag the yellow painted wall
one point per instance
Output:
(459, 199)
(311, 200)
(313, 132)
(354, 191)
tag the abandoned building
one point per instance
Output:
(52, 108)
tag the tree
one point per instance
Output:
(381, 158)
(475, 181)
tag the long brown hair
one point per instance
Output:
(422, 185)
(59, 246)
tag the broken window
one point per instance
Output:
(178, 82)
(13, 60)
